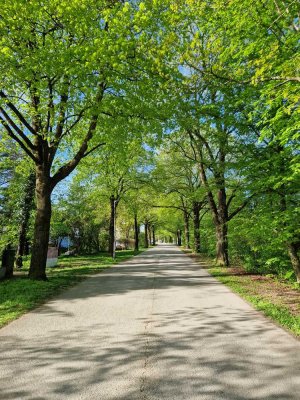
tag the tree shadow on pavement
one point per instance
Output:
(179, 352)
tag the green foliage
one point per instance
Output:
(82, 217)
(14, 172)
(219, 83)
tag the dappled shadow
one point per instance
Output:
(209, 359)
(168, 270)
(149, 330)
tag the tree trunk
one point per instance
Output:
(37, 268)
(186, 229)
(112, 227)
(8, 257)
(149, 234)
(25, 215)
(153, 236)
(222, 258)
(294, 246)
(179, 241)
(127, 238)
(146, 235)
(196, 221)
(26, 248)
(136, 234)
(293, 249)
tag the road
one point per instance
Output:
(157, 327)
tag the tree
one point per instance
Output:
(65, 70)
(16, 196)
(177, 175)
(27, 206)
(246, 55)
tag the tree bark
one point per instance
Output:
(26, 248)
(136, 234)
(186, 229)
(112, 228)
(196, 221)
(146, 234)
(179, 240)
(149, 234)
(43, 191)
(222, 257)
(153, 236)
(222, 245)
(26, 208)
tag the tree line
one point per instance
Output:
(183, 114)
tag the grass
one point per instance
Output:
(274, 297)
(19, 295)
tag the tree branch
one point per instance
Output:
(62, 112)
(18, 140)
(66, 169)
(174, 207)
(17, 129)
(93, 148)
(17, 112)
(240, 208)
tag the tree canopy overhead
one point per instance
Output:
(210, 88)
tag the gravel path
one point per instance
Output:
(154, 328)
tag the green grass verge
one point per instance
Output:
(20, 294)
(245, 287)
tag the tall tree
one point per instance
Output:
(64, 69)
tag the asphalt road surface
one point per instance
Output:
(154, 328)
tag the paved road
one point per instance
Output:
(154, 328)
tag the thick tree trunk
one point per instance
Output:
(196, 221)
(136, 234)
(112, 228)
(146, 235)
(37, 268)
(222, 258)
(153, 236)
(186, 229)
(25, 215)
(293, 249)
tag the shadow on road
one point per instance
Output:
(183, 351)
